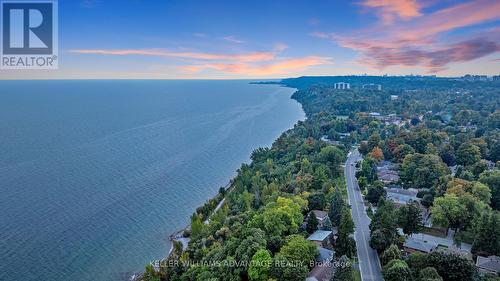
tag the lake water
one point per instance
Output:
(95, 175)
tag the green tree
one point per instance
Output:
(375, 192)
(397, 270)
(391, 253)
(429, 274)
(284, 269)
(492, 180)
(344, 271)
(336, 207)
(299, 249)
(316, 201)
(333, 157)
(312, 223)
(448, 212)
(345, 244)
(410, 218)
(452, 267)
(260, 265)
(254, 241)
(422, 170)
(468, 154)
(196, 225)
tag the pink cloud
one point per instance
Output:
(389, 10)
(247, 57)
(283, 66)
(420, 42)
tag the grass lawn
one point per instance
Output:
(434, 232)
(356, 275)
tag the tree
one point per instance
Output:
(196, 225)
(429, 274)
(344, 271)
(448, 212)
(345, 244)
(316, 201)
(336, 207)
(447, 154)
(487, 234)
(422, 170)
(284, 269)
(333, 157)
(427, 200)
(410, 218)
(375, 192)
(254, 241)
(391, 253)
(327, 224)
(383, 226)
(377, 154)
(260, 265)
(397, 270)
(468, 154)
(452, 267)
(492, 179)
(299, 249)
(312, 223)
(281, 217)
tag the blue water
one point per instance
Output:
(94, 175)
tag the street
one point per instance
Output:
(369, 263)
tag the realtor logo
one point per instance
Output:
(29, 34)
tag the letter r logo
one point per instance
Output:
(27, 28)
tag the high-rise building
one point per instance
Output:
(342, 86)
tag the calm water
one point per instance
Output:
(94, 175)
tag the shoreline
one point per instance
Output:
(179, 234)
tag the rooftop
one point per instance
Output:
(419, 245)
(320, 214)
(319, 235)
(491, 263)
(325, 255)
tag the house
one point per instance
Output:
(325, 255)
(371, 86)
(321, 272)
(402, 196)
(341, 86)
(488, 265)
(321, 237)
(321, 216)
(394, 97)
(388, 176)
(412, 245)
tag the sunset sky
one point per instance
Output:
(273, 39)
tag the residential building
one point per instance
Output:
(402, 196)
(342, 86)
(321, 216)
(412, 245)
(373, 87)
(394, 97)
(488, 265)
(321, 237)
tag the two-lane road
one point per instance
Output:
(369, 263)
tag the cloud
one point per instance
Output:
(434, 60)
(246, 57)
(424, 41)
(283, 66)
(232, 39)
(389, 10)
(321, 35)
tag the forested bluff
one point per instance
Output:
(441, 134)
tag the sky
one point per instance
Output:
(237, 39)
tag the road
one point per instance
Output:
(369, 263)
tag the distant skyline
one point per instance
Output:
(182, 39)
